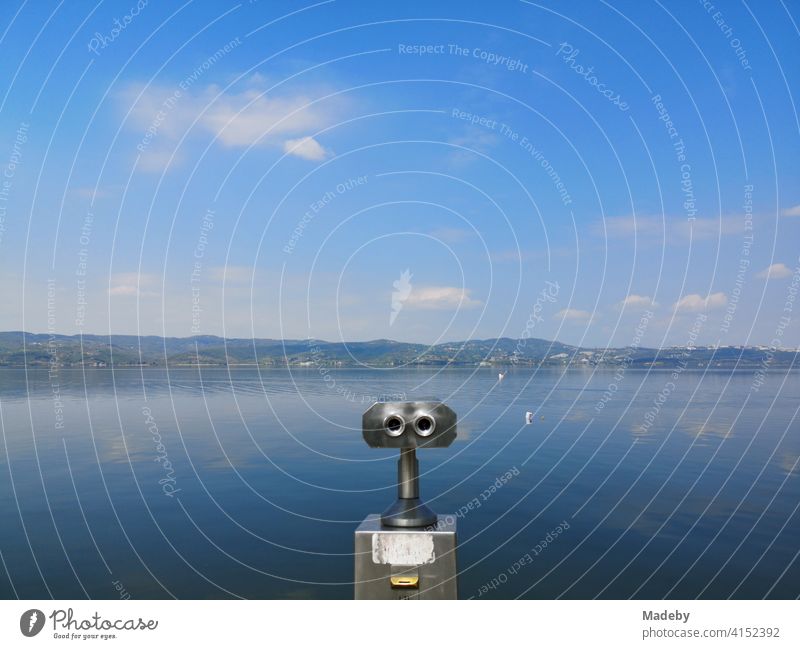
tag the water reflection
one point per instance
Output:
(268, 476)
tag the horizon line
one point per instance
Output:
(401, 342)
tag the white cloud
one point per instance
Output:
(241, 120)
(775, 271)
(123, 289)
(695, 302)
(509, 255)
(574, 314)
(709, 228)
(791, 211)
(451, 235)
(440, 297)
(478, 139)
(235, 119)
(307, 148)
(126, 284)
(637, 301)
(474, 140)
(668, 227)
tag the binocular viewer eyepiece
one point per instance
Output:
(409, 425)
(395, 425)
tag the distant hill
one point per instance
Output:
(21, 349)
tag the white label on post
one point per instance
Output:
(414, 549)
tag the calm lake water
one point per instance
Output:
(249, 484)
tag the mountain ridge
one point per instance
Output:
(24, 349)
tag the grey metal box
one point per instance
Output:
(427, 555)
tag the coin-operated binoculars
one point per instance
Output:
(408, 426)
(408, 552)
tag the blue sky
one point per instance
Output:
(274, 168)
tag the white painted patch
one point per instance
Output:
(411, 549)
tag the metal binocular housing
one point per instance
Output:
(409, 425)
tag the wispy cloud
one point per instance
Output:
(440, 298)
(791, 211)
(235, 119)
(668, 227)
(452, 235)
(132, 284)
(478, 139)
(695, 302)
(513, 255)
(575, 315)
(307, 148)
(775, 271)
(642, 301)
(244, 119)
(475, 139)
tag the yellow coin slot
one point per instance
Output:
(405, 581)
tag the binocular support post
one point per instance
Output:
(407, 552)
(408, 510)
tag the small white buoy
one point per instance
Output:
(529, 417)
(501, 376)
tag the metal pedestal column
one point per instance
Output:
(408, 510)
